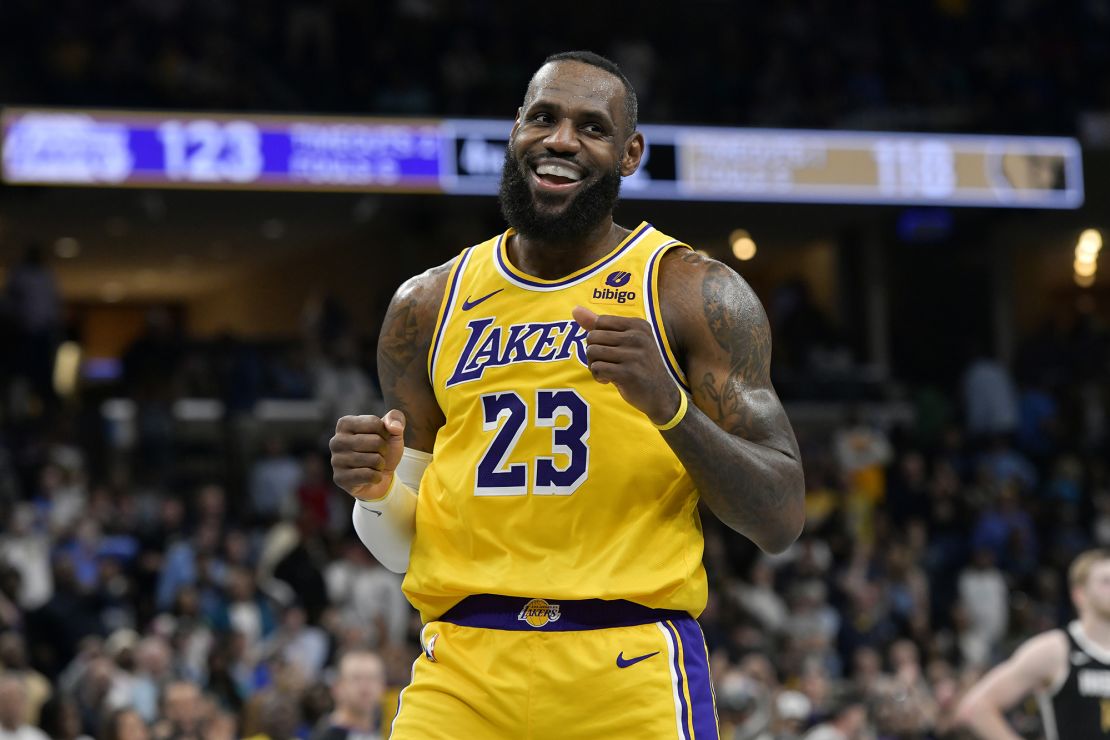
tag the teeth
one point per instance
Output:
(558, 170)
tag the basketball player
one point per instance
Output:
(562, 395)
(1068, 669)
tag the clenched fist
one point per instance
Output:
(365, 451)
(621, 350)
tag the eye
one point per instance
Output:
(544, 118)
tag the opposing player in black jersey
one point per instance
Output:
(1067, 669)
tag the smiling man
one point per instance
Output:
(562, 396)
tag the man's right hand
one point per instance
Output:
(365, 451)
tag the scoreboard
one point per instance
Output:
(117, 148)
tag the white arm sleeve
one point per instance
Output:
(386, 525)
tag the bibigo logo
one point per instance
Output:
(538, 613)
(610, 292)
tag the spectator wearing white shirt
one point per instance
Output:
(368, 596)
(985, 599)
(13, 709)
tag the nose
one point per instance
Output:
(563, 137)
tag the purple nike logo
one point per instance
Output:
(623, 662)
(469, 304)
(372, 511)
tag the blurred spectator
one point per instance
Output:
(187, 560)
(985, 601)
(32, 297)
(1039, 421)
(124, 724)
(340, 385)
(760, 599)
(358, 689)
(275, 713)
(61, 719)
(274, 479)
(315, 493)
(791, 714)
(13, 711)
(15, 664)
(297, 643)
(1006, 529)
(246, 610)
(743, 707)
(182, 713)
(367, 596)
(862, 454)
(150, 372)
(848, 722)
(25, 546)
(298, 574)
(153, 664)
(990, 401)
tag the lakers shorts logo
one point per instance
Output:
(538, 612)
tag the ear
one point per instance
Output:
(633, 153)
(516, 122)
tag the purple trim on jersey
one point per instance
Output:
(648, 285)
(489, 611)
(448, 305)
(684, 708)
(570, 280)
(702, 705)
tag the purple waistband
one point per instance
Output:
(488, 611)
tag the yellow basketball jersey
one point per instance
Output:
(545, 483)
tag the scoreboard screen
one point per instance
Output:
(464, 156)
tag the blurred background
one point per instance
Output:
(206, 207)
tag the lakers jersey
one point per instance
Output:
(545, 483)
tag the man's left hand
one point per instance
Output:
(621, 350)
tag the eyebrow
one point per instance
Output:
(590, 112)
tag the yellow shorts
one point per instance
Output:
(503, 667)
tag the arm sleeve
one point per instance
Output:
(386, 525)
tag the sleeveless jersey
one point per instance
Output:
(1080, 708)
(545, 483)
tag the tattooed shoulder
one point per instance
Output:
(409, 323)
(737, 321)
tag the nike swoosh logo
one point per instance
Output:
(469, 304)
(372, 511)
(623, 662)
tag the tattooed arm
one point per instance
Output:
(735, 440)
(367, 449)
(403, 355)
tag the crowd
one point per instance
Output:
(953, 65)
(138, 600)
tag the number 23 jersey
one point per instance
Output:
(545, 483)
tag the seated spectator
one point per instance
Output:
(13, 711)
(357, 690)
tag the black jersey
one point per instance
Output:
(1080, 708)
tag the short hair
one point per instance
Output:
(631, 104)
(1080, 568)
(356, 653)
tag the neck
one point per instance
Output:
(1098, 630)
(360, 720)
(551, 259)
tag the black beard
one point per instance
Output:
(593, 203)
